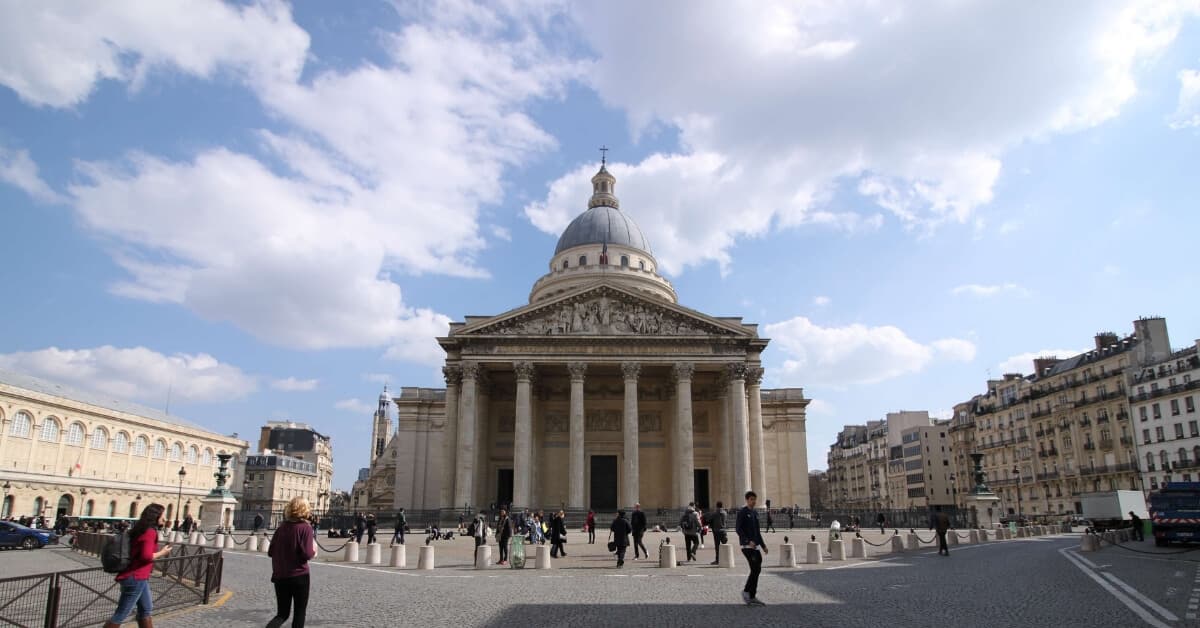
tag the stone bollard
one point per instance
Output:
(858, 548)
(542, 557)
(483, 556)
(1020, 533)
(375, 554)
(219, 541)
(265, 546)
(399, 557)
(162, 536)
(230, 542)
(914, 542)
(1088, 543)
(814, 553)
(897, 543)
(951, 537)
(192, 538)
(350, 555)
(726, 561)
(973, 536)
(425, 557)
(252, 543)
(837, 550)
(666, 556)
(787, 555)
(202, 541)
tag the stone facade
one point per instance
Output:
(272, 481)
(75, 453)
(1163, 396)
(301, 442)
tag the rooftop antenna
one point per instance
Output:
(603, 156)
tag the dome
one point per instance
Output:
(603, 225)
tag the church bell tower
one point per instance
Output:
(382, 428)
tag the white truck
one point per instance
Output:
(1110, 509)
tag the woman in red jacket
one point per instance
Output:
(135, 579)
(291, 549)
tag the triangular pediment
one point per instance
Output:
(603, 309)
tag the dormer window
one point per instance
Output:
(624, 261)
(583, 260)
(565, 264)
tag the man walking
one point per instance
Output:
(637, 522)
(481, 528)
(619, 532)
(940, 523)
(401, 521)
(880, 520)
(371, 525)
(716, 523)
(258, 522)
(360, 526)
(770, 519)
(753, 547)
(1139, 534)
(689, 525)
(591, 527)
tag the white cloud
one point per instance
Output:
(776, 105)
(1187, 113)
(822, 301)
(378, 378)
(856, 354)
(1023, 362)
(356, 406)
(54, 52)
(820, 408)
(18, 169)
(292, 384)
(136, 373)
(989, 290)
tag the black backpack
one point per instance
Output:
(115, 553)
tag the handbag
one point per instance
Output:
(612, 546)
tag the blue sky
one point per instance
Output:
(271, 209)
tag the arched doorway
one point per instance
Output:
(38, 505)
(88, 508)
(170, 513)
(112, 508)
(133, 511)
(66, 504)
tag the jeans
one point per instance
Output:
(556, 548)
(398, 535)
(592, 534)
(370, 535)
(621, 554)
(291, 597)
(133, 592)
(942, 547)
(754, 559)
(637, 543)
(718, 539)
(503, 549)
(690, 543)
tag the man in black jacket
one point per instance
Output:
(753, 547)
(716, 523)
(637, 521)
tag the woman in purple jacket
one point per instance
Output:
(291, 548)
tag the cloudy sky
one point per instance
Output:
(272, 209)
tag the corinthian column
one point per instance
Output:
(575, 462)
(523, 437)
(758, 461)
(629, 478)
(741, 434)
(453, 375)
(464, 476)
(685, 483)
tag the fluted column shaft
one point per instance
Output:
(453, 375)
(523, 437)
(629, 475)
(758, 461)
(741, 433)
(685, 466)
(464, 477)
(575, 461)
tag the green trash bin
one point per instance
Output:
(516, 552)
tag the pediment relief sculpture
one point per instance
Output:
(601, 314)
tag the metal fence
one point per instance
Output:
(87, 597)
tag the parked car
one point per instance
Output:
(17, 535)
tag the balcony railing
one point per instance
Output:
(1106, 444)
(1084, 422)
(1047, 453)
(1127, 441)
(1103, 418)
(1122, 415)
(1090, 446)
(1049, 475)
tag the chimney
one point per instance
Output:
(1041, 364)
(1105, 338)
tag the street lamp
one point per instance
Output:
(82, 499)
(7, 508)
(179, 497)
(953, 491)
(1017, 474)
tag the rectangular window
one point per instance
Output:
(1158, 433)
(1194, 427)
(1174, 407)
(1142, 413)
(1179, 430)
(1190, 404)
(1157, 411)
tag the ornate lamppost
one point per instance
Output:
(7, 490)
(1017, 475)
(179, 497)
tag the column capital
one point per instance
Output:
(453, 374)
(631, 369)
(754, 375)
(683, 371)
(524, 371)
(577, 370)
(736, 370)
(470, 370)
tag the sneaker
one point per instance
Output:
(621, 563)
(714, 563)
(755, 602)
(746, 597)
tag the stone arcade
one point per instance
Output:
(603, 391)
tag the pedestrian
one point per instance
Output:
(134, 580)
(360, 526)
(558, 534)
(770, 521)
(940, 523)
(480, 529)
(188, 524)
(401, 524)
(1139, 534)
(703, 525)
(618, 536)
(637, 524)
(753, 546)
(689, 525)
(716, 521)
(590, 524)
(258, 522)
(791, 519)
(504, 533)
(371, 525)
(292, 546)
(461, 522)
(881, 520)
